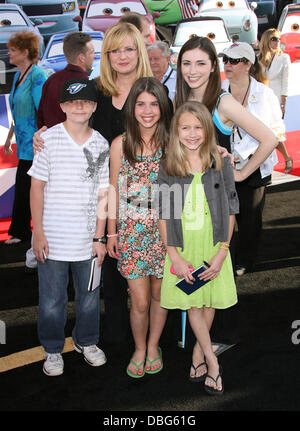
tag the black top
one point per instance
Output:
(108, 120)
(223, 140)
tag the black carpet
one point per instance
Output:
(261, 373)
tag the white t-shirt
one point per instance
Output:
(169, 80)
(74, 175)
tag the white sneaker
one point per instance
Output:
(31, 260)
(92, 354)
(54, 364)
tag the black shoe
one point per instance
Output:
(30, 270)
(219, 390)
(200, 378)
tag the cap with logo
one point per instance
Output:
(79, 89)
(240, 50)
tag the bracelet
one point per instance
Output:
(224, 245)
(113, 234)
(102, 239)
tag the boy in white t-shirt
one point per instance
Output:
(70, 179)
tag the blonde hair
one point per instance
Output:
(113, 38)
(265, 53)
(258, 72)
(176, 163)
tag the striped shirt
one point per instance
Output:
(74, 174)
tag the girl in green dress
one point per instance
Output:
(196, 219)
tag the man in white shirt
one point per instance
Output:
(159, 57)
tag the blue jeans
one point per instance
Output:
(53, 299)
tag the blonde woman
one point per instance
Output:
(124, 59)
(277, 67)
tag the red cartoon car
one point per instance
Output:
(99, 14)
(289, 26)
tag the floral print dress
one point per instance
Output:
(141, 251)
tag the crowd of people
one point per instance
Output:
(148, 169)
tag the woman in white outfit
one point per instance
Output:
(261, 102)
(277, 67)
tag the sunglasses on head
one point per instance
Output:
(234, 61)
(275, 39)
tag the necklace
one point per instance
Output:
(18, 82)
(245, 93)
(268, 68)
(235, 128)
(22, 76)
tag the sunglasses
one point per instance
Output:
(234, 61)
(275, 39)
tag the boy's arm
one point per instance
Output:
(116, 154)
(40, 244)
(99, 248)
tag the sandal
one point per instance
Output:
(136, 376)
(200, 378)
(218, 390)
(157, 370)
(288, 165)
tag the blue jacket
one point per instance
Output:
(24, 102)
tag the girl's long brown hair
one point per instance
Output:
(213, 89)
(133, 144)
(176, 163)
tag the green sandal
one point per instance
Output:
(153, 360)
(131, 374)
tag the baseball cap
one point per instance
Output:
(240, 50)
(79, 89)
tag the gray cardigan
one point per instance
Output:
(221, 195)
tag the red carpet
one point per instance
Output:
(293, 147)
(4, 226)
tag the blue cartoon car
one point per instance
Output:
(12, 20)
(265, 11)
(240, 20)
(51, 16)
(54, 59)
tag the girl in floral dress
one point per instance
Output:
(133, 235)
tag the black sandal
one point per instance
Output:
(214, 391)
(200, 378)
